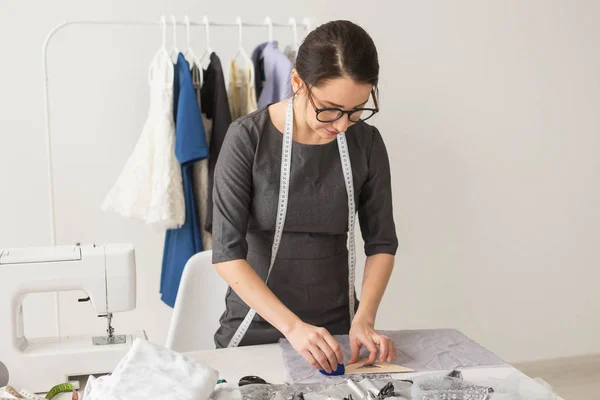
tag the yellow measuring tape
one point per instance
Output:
(10, 390)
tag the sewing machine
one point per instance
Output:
(106, 273)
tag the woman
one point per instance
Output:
(307, 298)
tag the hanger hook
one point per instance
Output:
(187, 30)
(206, 30)
(174, 22)
(238, 21)
(269, 23)
(294, 31)
(163, 23)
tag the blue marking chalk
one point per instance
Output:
(341, 370)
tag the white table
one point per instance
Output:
(266, 362)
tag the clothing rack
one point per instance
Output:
(268, 23)
(306, 24)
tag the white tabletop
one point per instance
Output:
(266, 362)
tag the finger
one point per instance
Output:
(370, 345)
(329, 353)
(311, 360)
(355, 346)
(321, 358)
(393, 351)
(335, 346)
(384, 347)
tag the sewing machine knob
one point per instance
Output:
(84, 300)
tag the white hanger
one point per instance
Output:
(174, 49)
(163, 24)
(162, 48)
(208, 51)
(189, 53)
(294, 32)
(242, 52)
(269, 23)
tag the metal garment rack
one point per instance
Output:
(268, 23)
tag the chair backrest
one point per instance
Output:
(199, 305)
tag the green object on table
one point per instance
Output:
(62, 388)
(221, 381)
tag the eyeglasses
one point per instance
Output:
(333, 114)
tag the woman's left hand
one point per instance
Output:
(362, 333)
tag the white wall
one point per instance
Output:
(489, 112)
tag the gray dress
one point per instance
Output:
(310, 275)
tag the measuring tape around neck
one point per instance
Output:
(284, 185)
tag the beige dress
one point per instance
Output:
(241, 92)
(200, 169)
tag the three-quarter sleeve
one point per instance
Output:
(375, 208)
(232, 190)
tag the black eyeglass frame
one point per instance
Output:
(342, 112)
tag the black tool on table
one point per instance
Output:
(251, 380)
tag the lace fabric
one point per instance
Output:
(150, 186)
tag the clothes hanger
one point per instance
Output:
(242, 52)
(269, 23)
(208, 51)
(189, 53)
(174, 49)
(295, 33)
(162, 49)
(163, 24)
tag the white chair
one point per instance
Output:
(198, 307)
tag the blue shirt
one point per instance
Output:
(190, 146)
(272, 69)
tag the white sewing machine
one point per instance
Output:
(106, 273)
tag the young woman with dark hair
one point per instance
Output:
(309, 295)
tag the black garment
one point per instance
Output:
(175, 91)
(310, 275)
(216, 107)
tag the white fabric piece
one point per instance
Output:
(421, 350)
(150, 186)
(151, 372)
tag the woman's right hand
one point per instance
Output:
(316, 345)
